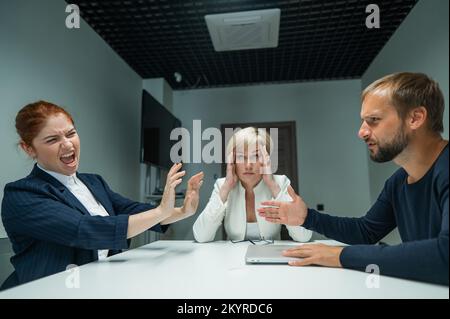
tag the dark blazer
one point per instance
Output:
(50, 229)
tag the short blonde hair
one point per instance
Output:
(249, 135)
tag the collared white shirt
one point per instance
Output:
(84, 195)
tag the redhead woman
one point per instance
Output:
(248, 181)
(57, 216)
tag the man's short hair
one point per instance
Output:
(407, 91)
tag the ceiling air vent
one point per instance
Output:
(244, 30)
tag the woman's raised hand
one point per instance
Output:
(266, 170)
(191, 199)
(231, 178)
(174, 178)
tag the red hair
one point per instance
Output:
(32, 117)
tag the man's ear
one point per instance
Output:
(27, 149)
(417, 117)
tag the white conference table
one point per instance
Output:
(188, 270)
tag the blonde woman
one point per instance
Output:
(236, 197)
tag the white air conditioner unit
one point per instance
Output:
(244, 30)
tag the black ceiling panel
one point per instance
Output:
(318, 40)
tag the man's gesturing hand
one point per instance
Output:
(287, 213)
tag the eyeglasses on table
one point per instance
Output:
(261, 241)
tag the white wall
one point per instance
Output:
(420, 44)
(41, 59)
(331, 160)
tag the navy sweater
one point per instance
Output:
(419, 210)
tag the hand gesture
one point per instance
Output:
(266, 170)
(191, 199)
(231, 178)
(288, 213)
(315, 254)
(173, 179)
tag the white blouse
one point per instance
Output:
(252, 231)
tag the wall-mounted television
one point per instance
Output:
(157, 123)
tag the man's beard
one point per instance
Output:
(390, 150)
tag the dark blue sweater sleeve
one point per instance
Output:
(369, 229)
(125, 206)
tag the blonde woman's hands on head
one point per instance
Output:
(192, 197)
(231, 178)
(266, 171)
(288, 213)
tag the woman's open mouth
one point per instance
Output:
(68, 158)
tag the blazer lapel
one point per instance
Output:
(66, 195)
